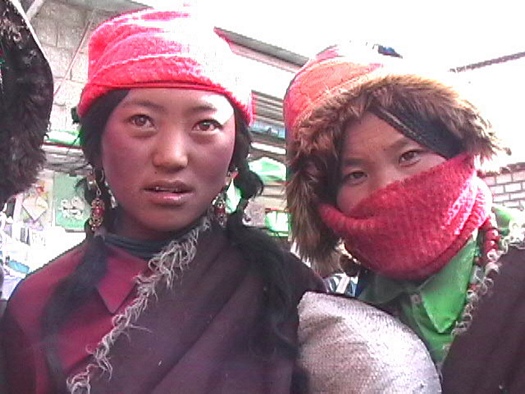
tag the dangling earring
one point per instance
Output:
(219, 208)
(97, 205)
(219, 203)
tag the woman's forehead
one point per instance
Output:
(370, 130)
(198, 97)
(179, 102)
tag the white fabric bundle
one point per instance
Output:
(351, 347)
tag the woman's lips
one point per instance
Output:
(164, 195)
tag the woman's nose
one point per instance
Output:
(171, 150)
(386, 177)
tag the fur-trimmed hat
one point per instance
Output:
(26, 98)
(152, 48)
(337, 87)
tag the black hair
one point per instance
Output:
(260, 250)
(26, 97)
(75, 289)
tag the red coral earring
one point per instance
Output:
(98, 207)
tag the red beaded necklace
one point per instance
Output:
(490, 238)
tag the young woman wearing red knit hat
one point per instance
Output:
(384, 160)
(169, 292)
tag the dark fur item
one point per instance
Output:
(313, 146)
(25, 103)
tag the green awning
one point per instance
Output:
(270, 170)
(63, 137)
(277, 223)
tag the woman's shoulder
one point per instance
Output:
(278, 262)
(349, 346)
(303, 274)
(39, 284)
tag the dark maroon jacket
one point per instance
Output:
(209, 333)
(490, 357)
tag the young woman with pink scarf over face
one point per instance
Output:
(384, 160)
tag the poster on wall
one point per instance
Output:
(35, 202)
(71, 210)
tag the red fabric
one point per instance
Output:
(327, 75)
(410, 229)
(162, 48)
(26, 368)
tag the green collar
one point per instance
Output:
(433, 307)
(430, 308)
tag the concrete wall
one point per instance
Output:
(63, 30)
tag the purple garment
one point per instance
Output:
(490, 356)
(209, 333)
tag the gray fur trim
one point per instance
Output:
(515, 238)
(475, 296)
(166, 267)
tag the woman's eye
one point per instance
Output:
(354, 177)
(141, 120)
(410, 157)
(208, 125)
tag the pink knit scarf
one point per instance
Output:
(410, 229)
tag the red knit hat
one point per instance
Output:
(329, 73)
(151, 48)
